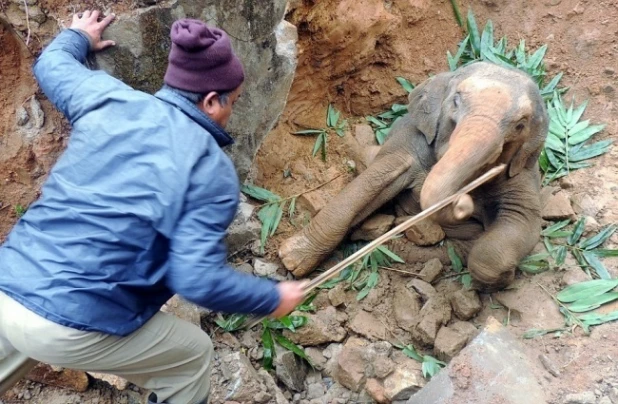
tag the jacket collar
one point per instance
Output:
(221, 136)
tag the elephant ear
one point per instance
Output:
(425, 104)
(528, 155)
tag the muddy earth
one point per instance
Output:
(349, 53)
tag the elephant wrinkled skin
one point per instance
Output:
(459, 125)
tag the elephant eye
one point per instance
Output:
(457, 99)
(520, 126)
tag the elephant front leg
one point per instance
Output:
(495, 255)
(382, 181)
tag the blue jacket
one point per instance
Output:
(135, 210)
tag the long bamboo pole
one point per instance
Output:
(335, 270)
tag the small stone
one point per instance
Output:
(321, 327)
(316, 357)
(586, 397)
(424, 289)
(315, 390)
(373, 228)
(466, 304)
(549, 365)
(448, 343)
(605, 400)
(558, 207)
(332, 352)
(22, 116)
(590, 225)
(425, 233)
(36, 113)
(610, 71)
(431, 270)
(406, 307)
(350, 369)
(244, 230)
(584, 204)
(256, 249)
(265, 268)
(337, 295)
(465, 328)
(573, 276)
(382, 367)
(244, 382)
(368, 326)
(435, 313)
(375, 389)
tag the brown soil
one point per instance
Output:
(350, 53)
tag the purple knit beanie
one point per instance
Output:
(201, 59)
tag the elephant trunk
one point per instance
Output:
(475, 144)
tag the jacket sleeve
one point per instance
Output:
(66, 81)
(198, 254)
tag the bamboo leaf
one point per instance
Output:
(585, 134)
(598, 239)
(455, 260)
(269, 349)
(377, 122)
(605, 253)
(581, 290)
(535, 60)
(561, 253)
(318, 144)
(405, 84)
(259, 193)
(473, 32)
(487, 38)
(593, 302)
(555, 227)
(591, 319)
(595, 263)
(391, 254)
(308, 132)
(590, 151)
(332, 116)
(292, 208)
(411, 352)
(290, 346)
(580, 226)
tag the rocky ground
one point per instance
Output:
(348, 54)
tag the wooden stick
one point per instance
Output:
(331, 273)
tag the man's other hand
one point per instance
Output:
(291, 296)
(90, 24)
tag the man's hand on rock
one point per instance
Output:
(89, 24)
(291, 296)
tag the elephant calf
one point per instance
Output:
(459, 125)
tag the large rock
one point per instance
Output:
(448, 343)
(406, 307)
(244, 384)
(321, 327)
(435, 313)
(493, 368)
(406, 380)
(261, 38)
(351, 364)
(290, 369)
(466, 304)
(431, 270)
(558, 207)
(244, 230)
(424, 233)
(63, 378)
(368, 326)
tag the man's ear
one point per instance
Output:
(211, 104)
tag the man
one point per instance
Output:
(134, 211)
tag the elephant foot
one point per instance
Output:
(299, 255)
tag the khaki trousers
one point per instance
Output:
(167, 355)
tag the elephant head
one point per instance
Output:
(478, 117)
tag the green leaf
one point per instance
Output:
(561, 253)
(580, 226)
(289, 322)
(260, 194)
(535, 332)
(431, 366)
(457, 13)
(455, 260)
(534, 268)
(320, 143)
(555, 227)
(371, 283)
(278, 217)
(473, 31)
(592, 302)
(535, 60)
(390, 254)
(411, 352)
(540, 257)
(581, 290)
(585, 134)
(466, 281)
(232, 323)
(596, 319)
(605, 253)
(269, 349)
(309, 132)
(590, 151)
(559, 234)
(267, 215)
(405, 84)
(454, 62)
(332, 116)
(487, 38)
(290, 346)
(292, 208)
(598, 239)
(377, 122)
(595, 263)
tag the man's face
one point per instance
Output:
(217, 110)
